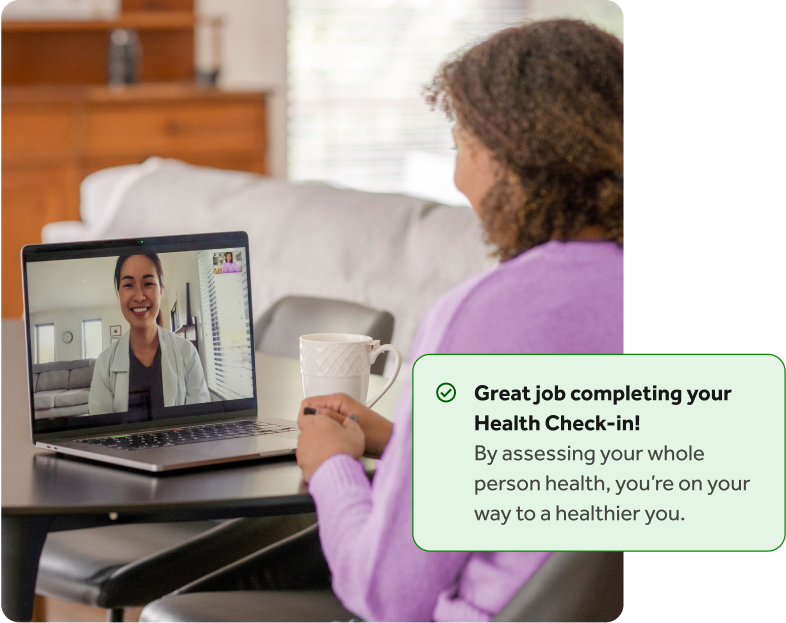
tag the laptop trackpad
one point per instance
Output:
(260, 445)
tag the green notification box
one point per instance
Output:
(598, 452)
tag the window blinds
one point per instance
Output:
(356, 69)
(44, 343)
(92, 342)
(226, 330)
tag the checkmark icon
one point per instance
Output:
(446, 392)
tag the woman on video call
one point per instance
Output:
(538, 129)
(148, 367)
(229, 265)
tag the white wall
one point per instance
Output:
(71, 320)
(254, 55)
(71, 284)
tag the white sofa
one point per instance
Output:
(390, 251)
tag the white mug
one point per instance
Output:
(340, 363)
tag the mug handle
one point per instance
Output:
(372, 357)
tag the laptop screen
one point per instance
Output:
(135, 331)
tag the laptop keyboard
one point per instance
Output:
(187, 434)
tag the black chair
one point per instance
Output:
(119, 567)
(290, 581)
(570, 586)
(287, 581)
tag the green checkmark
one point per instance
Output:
(446, 392)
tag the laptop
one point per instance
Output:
(140, 352)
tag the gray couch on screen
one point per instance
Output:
(62, 387)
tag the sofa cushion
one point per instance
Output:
(35, 380)
(52, 365)
(61, 412)
(80, 377)
(63, 365)
(46, 399)
(72, 397)
(52, 379)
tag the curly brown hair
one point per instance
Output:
(546, 99)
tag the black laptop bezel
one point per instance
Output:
(80, 426)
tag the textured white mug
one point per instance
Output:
(334, 363)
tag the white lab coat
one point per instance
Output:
(181, 373)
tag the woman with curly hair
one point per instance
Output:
(538, 128)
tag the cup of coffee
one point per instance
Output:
(341, 363)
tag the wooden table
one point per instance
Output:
(43, 491)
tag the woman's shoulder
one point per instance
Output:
(107, 358)
(104, 357)
(534, 295)
(106, 354)
(109, 352)
(550, 264)
(186, 347)
(545, 271)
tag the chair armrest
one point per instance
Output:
(570, 586)
(294, 563)
(148, 578)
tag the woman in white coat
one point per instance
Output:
(149, 367)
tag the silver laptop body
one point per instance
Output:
(86, 397)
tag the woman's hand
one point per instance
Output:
(322, 437)
(339, 407)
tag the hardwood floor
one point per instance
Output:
(48, 609)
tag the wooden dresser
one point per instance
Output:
(57, 129)
(54, 136)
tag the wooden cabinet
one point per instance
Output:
(61, 122)
(74, 52)
(172, 127)
(54, 136)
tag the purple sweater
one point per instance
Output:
(555, 298)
